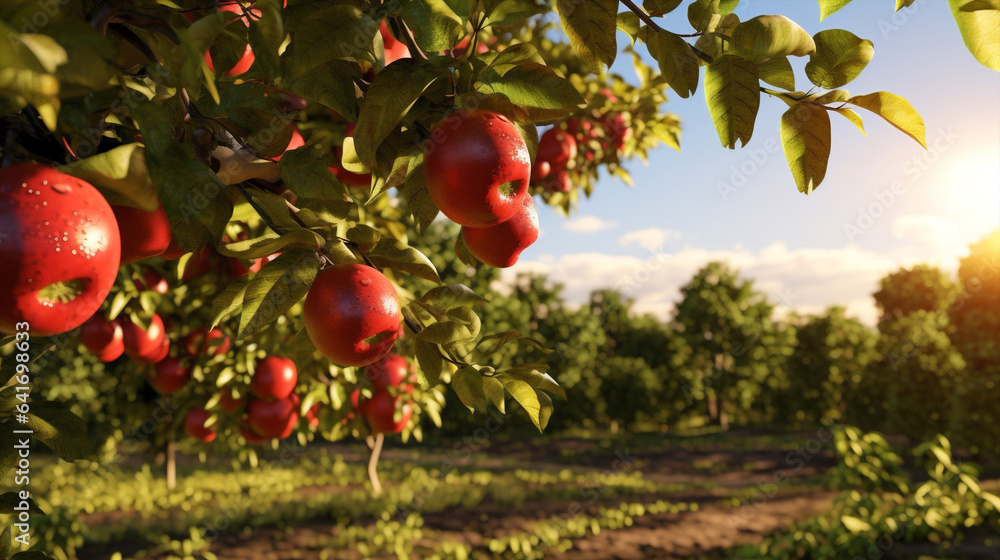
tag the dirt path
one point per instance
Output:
(693, 534)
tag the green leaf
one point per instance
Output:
(850, 115)
(839, 58)
(532, 85)
(510, 12)
(308, 176)
(494, 392)
(590, 26)
(230, 300)
(430, 361)
(660, 7)
(278, 285)
(897, 111)
(46, 50)
(463, 254)
(271, 243)
(332, 85)
(120, 174)
(389, 97)
(194, 73)
(62, 431)
(777, 72)
(676, 60)
(765, 37)
(855, 525)
(629, 24)
(714, 42)
(702, 13)
(468, 385)
(8, 460)
(980, 30)
(392, 253)
(365, 236)
(525, 395)
(5, 542)
(194, 198)
(828, 7)
(531, 375)
(451, 296)
(976, 5)
(733, 96)
(545, 409)
(900, 4)
(805, 136)
(10, 500)
(445, 332)
(266, 35)
(324, 33)
(418, 200)
(440, 28)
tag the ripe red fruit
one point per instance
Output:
(199, 264)
(152, 281)
(380, 411)
(169, 376)
(143, 234)
(459, 50)
(103, 338)
(312, 416)
(394, 49)
(560, 182)
(557, 147)
(390, 371)
(540, 170)
(274, 378)
(202, 341)
(477, 168)
(352, 314)
(245, 61)
(272, 419)
(146, 346)
(259, 263)
(229, 403)
(194, 425)
(295, 142)
(501, 245)
(59, 246)
(172, 252)
(249, 434)
(358, 401)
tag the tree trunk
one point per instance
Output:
(171, 461)
(713, 405)
(724, 417)
(375, 443)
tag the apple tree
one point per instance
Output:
(215, 184)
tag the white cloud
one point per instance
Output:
(651, 239)
(588, 224)
(934, 231)
(805, 280)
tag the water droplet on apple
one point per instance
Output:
(62, 188)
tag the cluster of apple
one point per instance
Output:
(477, 169)
(392, 380)
(559, 146)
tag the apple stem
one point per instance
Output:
(375, 443)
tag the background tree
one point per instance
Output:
(976, 334)
(726, 324)
(831, 356)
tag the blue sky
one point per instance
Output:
(651, 238)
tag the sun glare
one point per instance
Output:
(971, 188)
